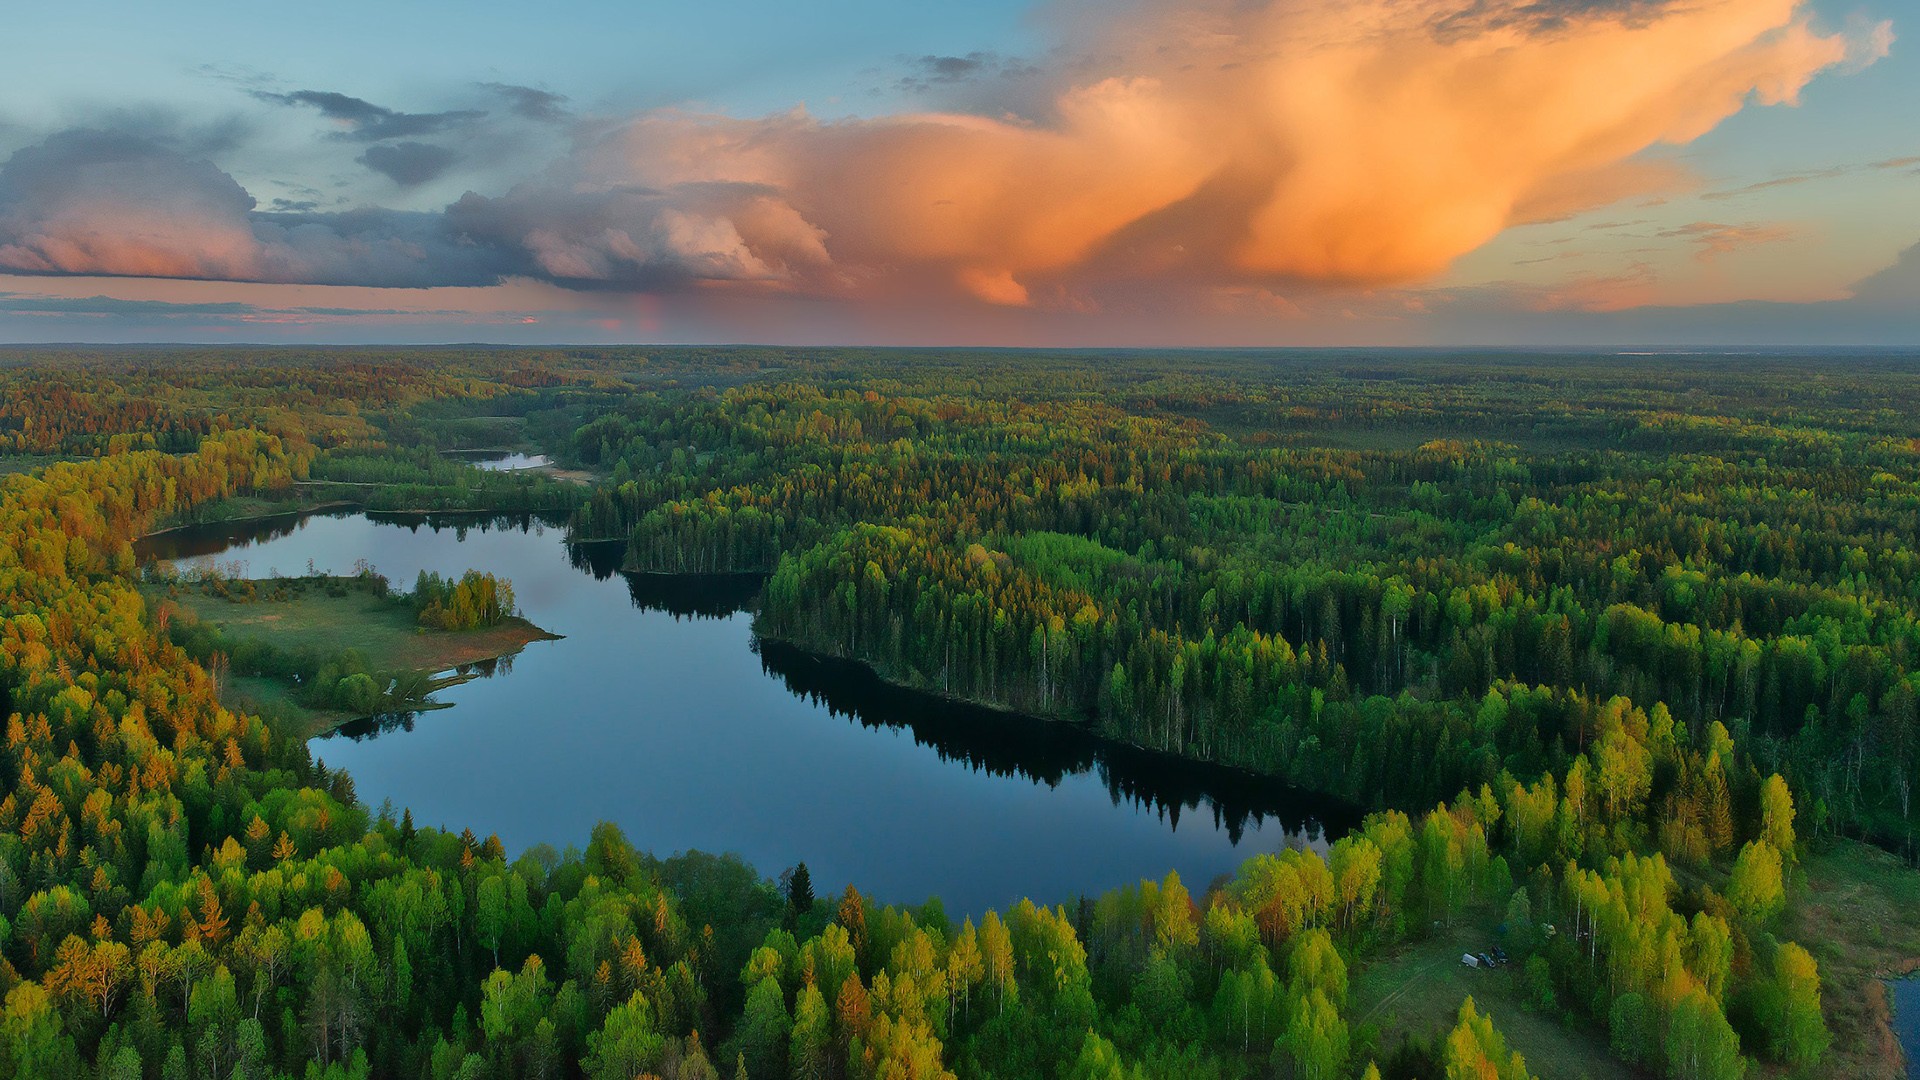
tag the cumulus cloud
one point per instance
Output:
(1218, 144)
(108, 203)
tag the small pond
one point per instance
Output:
(501, 460)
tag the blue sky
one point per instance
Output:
(201, 172)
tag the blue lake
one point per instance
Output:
(659, 710)
(1906, 1020)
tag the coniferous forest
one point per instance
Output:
(1619, 654)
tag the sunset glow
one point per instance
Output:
(1201, 171)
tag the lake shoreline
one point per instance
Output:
(660, 686)
(1080, 726)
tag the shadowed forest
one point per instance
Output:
(1620, 654)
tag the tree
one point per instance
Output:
(1776, 815)
(490, 914)
(1788, 1008)
(1475, 1050)
(1355, 863)
(1700, 1043)
(799, 894)
(812, 1039)
(1098, 1060)
(1634, 1030)
(1757, 886)
(1316, 1038)
(626, 1045)
(764, 1029)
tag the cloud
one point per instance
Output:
(27, 304)
(927, 73)
(409, 164)
(107, 203)
(1809, 176)
(92, 202)
(1238, 146)
(363, 121)
(1898, 286)
(530, 103)
(645, 238)
(1713, 239)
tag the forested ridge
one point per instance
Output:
(1606, 644)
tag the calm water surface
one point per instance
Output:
(660, 711)
(1906, 1020)
(497, 461)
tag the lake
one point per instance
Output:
(659, 710)
(1906, 1020)
(501, 460)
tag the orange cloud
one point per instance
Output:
(1224, 146)
(1343, 141)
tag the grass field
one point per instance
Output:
(329, 618)
(1860, 917)
(1417, 988)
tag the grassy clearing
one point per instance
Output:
(329, 617)
(383, 631)
(1860, 918)
(1416, 989)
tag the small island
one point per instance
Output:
(316, 651)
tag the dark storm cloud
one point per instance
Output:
(408, 164)
(367, 122)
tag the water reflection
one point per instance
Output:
(695, 596)
(1012, 745)
(500, 460)
(1906, 1020)
(660, 711)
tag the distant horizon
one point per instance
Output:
(1728, 350)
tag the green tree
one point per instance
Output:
(1787, 1004)
(1316, 1038)
(1757, 885)
(1701, 1045)
(764, 1029)
(812, 1040)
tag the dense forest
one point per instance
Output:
(1613, 648)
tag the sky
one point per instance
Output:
(1574, 173)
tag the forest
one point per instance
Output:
(1620, 653)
